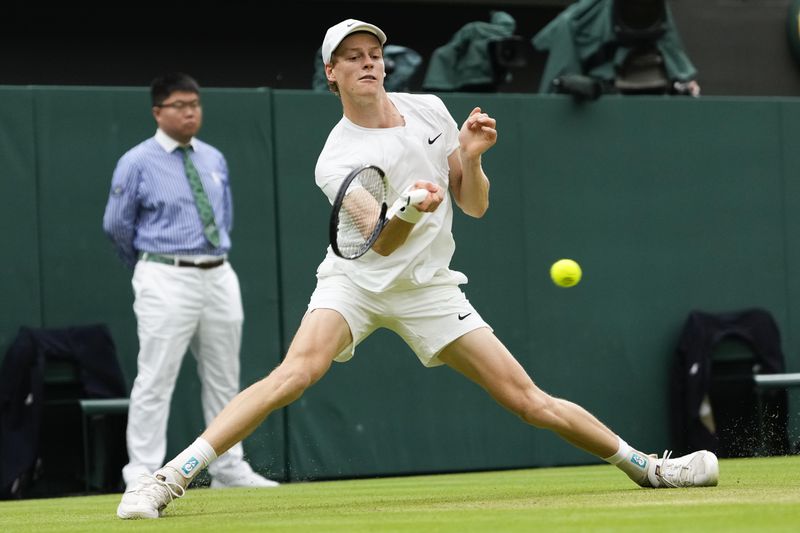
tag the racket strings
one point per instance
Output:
(361, 212)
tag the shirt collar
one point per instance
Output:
(168, 143)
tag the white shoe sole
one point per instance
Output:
(135, 515)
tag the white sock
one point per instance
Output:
(192, 460)
(622, 453)
(631, 461)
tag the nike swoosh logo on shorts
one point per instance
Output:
(462, 317)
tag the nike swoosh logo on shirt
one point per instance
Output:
(431, 141)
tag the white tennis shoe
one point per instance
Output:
(698, 469)
(148, 497)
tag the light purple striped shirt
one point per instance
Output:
(151, 208)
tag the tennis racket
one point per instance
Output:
(360, 211)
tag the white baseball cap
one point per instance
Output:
(336, 35)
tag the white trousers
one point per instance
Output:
(178, 308)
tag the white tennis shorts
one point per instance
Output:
(428, 318)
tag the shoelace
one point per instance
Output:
(154, 487)
(669, 473)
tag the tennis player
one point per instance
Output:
(415, 139)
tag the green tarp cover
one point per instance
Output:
(464, 61)
(583, 28)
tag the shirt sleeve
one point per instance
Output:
(331, 180)
(119, 220)
(338, 158)
(227, 198)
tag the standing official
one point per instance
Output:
(170, 215)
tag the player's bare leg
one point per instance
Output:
(322, 335)
(480, 356)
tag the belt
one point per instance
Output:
(176, 261)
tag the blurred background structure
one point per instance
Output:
(478, 57)
(615, 47)
(739, 47)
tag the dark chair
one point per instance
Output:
(103, 425)
(53, 383)
(716, 404)
(100, 446)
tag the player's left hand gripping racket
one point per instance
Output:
(359, 211)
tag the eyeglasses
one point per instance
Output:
(181, 105)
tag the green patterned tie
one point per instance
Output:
(200, 199)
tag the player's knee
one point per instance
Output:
(295, 375)
(299, 379)
(292, 380)
(537, 409)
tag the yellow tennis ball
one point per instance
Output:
(565, 273)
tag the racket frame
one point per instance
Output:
(337, 207)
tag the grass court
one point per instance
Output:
(754, 494)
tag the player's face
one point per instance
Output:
(358, 68)
(180, 115)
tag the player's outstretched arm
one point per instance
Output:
(468, 182)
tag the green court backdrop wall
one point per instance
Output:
(20, 293)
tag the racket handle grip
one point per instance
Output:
(404, 208)
(417, 196)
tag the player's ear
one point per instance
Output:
(329, 73)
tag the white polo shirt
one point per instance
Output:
(416, 151)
